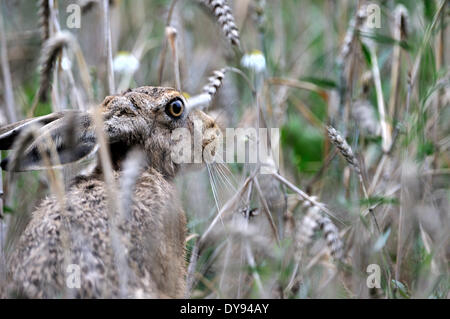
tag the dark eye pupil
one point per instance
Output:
(175, 108)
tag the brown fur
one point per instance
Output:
(153, 233)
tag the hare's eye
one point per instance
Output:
(175, 108)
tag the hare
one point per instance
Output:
(153, 235)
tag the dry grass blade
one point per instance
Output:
(191, 269)
(88, 5)
(267, 211)
(227, 206)
(350, 35)
(48, 153)
(305, 196)
(386, 133)
(108, 47)
(51, 51)
(7, 81)
(377, 72)
(426, 39)
(114, 206)
(171, 34)
(162, 56)
(399, 34)
(132, 169)
(298, 85)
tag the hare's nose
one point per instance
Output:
(207, 121)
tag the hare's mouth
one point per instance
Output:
(198, 143)
(211, 144)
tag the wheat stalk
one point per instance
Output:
(51, 51)
(344, 148)
(115, 212)
(162, 56)
(304, 230)
(44, 19)
(350, 35)
(305, 196)
(108, 47)
(314, 220)
(50, 159)
(88, 5)
(267, 210)
(214, 82)
(222, 12)
(399, 33)
(7, 80)
(171, 34)
(204, 99)
(332, 237)
(346, 151)
(132, 168)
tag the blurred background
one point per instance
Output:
(377, 71)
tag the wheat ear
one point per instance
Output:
(313, 221)
(347, 153)
(222, 12)
(305, 230)
(44, 19)
(214, 82)
(204, 99)
(344, 148)
(51, 51)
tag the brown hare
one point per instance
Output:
(153, 234)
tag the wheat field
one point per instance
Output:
(356, 205)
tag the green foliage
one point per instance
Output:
(305, 143)
(301, 41)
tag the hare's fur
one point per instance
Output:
(153, 234)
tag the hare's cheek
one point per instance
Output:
(212, 145)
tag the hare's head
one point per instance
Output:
(145, 118)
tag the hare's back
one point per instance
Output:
(48, 253)
(49, 257)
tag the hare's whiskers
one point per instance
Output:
(224, 176)
(219, 176)
(214, 190)
(228, 172)
(222, 183)
(213, 185)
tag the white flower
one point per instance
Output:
(255, 61)
(125, 62)
(66, 64)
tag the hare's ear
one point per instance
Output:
(10, 132)
(68, 138)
